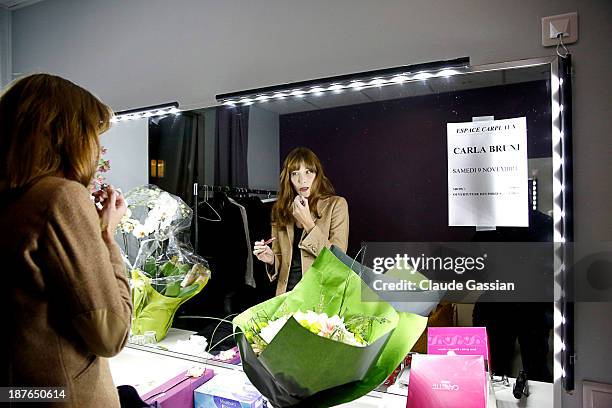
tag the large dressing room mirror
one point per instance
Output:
(389, 149)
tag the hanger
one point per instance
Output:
(269, 198)
(209, 206)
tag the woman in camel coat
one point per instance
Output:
(67, 300)
(307, 217)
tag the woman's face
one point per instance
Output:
(302, 180)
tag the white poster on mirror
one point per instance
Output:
(487, 173)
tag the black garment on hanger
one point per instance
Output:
(529, 322)
(223, 244)
(259, 215)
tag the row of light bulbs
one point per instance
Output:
(146, 114)
(534, 193)
(339, 87)
(559, 211)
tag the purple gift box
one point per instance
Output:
(178, 391)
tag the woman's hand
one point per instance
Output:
(263, 252)
(301, 213)
(113, 208)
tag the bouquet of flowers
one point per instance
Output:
(165, 272)
(296, 355)
(352, 332)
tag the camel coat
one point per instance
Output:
(67, 301)
(332, 228)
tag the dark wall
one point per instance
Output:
(389, 159)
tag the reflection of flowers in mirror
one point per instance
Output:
(162, 211)
(103, 167)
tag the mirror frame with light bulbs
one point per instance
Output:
(560, 97)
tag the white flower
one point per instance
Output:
(309, 316)
(127, 227)
(151, 225)
(200, 341)
(192, 347)
(329, 327)
(271, 330)
(336, 320)
(195, 371)
(226, 355)
(140, 231)
(163, 210)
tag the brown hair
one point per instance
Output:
(49, 126)
(321, 186)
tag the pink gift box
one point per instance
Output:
(438, 381)
(472, 341)
(178, 391)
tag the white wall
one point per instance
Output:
(263, 150)
(128, 152)
(142, 52)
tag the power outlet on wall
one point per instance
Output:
(565, 24)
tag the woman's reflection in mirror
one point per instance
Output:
(307, 217)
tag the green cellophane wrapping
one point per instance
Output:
(300, 368)
(152, 310)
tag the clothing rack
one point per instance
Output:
(197, 188)
(229, 190)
